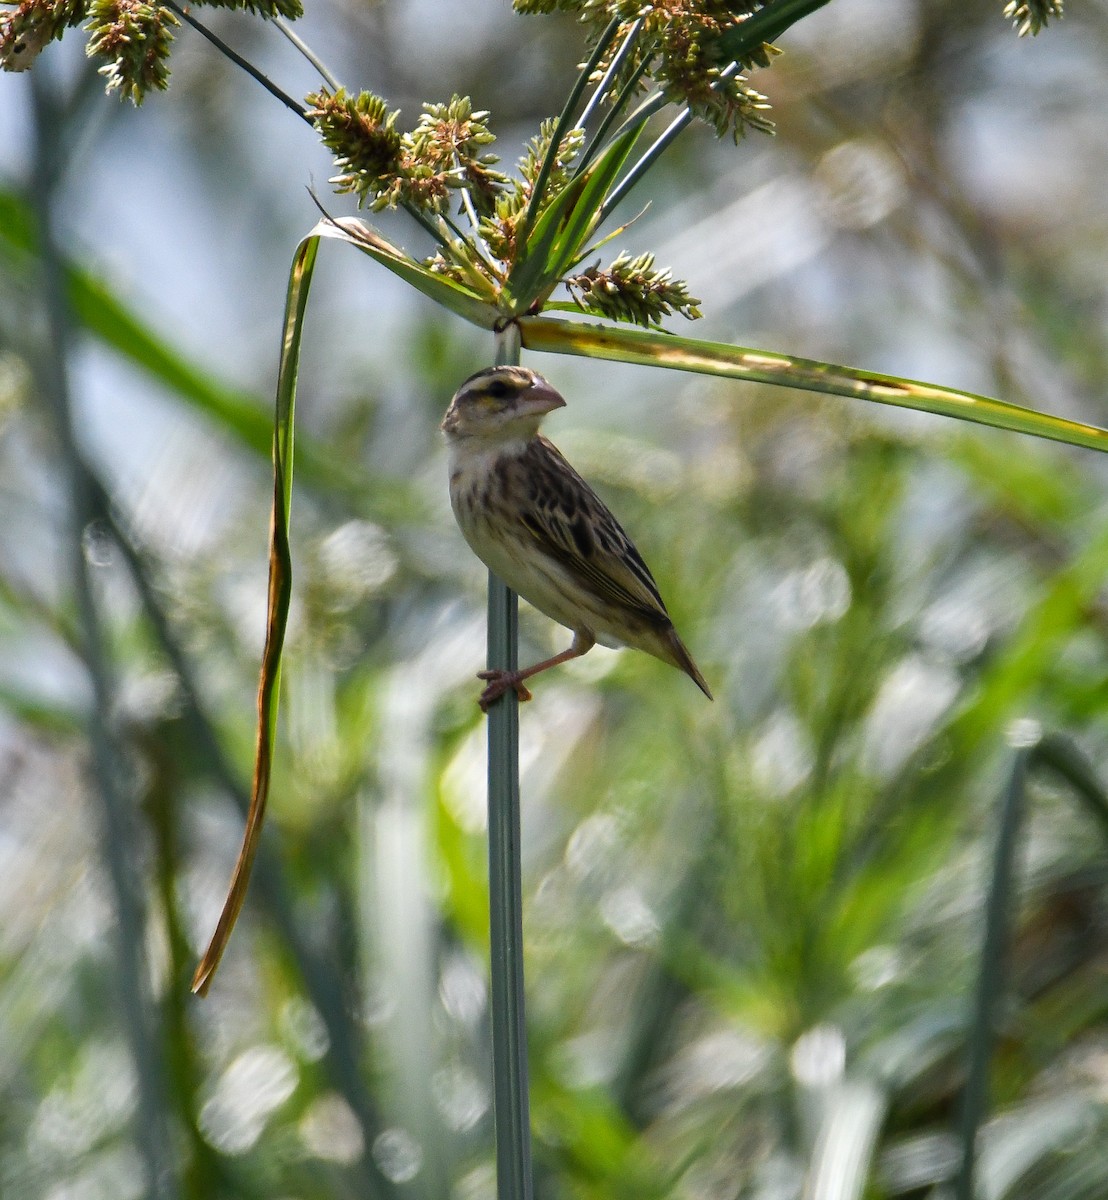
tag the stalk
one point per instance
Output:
(1057, 756)
(509, 1030)
(239, 61)
(612, 115)
(991, 973)
(290, 33)
(655, 151)
(614, 68)
(564, 125)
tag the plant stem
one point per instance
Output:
(238, 60)
(612, 115)
(990, 977)
(509, 1032)
(653, 153)
(452, 225)
(652, 104)
(613, 70)
(1060, 757)
(307, 52)
(564, 125)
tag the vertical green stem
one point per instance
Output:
(990, 979)
(509, 1030)
(1060, 757)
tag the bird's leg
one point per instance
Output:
(507, 681)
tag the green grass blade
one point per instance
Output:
(461, 301)
(761, 366)
(1058, 756)
(766, 25)
(990, 975)
(102, 314)
(531, 271)
(590, 211)
(1061, 757)
(280, 591)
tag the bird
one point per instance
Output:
(543, 531)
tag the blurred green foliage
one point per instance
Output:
(753, 927)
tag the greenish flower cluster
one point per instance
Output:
(134, 37)
(450, 140)
(678, 45)
(384, 167)
(289, 9)
(360, 132)
(499, 228)
(28, 28)
(1029, 16)
(630, 289)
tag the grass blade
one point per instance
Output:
(1061, 758)
(104, 315)
(990, 975)
(766, 25)
(591, 209)
(761, 366)
(280, 589)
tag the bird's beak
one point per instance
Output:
(540, 398)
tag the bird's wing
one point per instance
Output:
(573, 525)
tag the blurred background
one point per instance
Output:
(753, 926)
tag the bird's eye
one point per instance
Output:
(499, 389)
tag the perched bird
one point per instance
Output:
(538, 526)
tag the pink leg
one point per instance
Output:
(501, 682)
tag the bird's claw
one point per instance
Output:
(501, 682)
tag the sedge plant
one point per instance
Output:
(509, 250)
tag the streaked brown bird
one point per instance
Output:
(537, 525)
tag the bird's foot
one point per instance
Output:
(501, 682)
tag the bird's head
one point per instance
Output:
(500, 404)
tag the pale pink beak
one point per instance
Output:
(540, 398)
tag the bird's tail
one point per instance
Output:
(679, 656)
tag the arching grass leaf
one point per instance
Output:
(761, 366)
